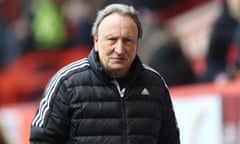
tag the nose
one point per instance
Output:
(119, 49)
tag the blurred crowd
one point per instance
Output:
(27, 25)
(222, 59)
(37, 37)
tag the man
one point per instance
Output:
(109, 97)
(222, 52)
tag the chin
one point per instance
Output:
(117, 67)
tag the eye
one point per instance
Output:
(127, 40)
(112, 39)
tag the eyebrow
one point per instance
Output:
(113, 36)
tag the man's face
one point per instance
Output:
(117, 43)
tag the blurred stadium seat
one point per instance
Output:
(25, 79)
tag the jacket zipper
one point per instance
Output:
(124, 122)
(120, 91)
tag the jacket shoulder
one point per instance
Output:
(79, 65)
(67, 71)
(155, 74)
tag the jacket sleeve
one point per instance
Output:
(51, 121)
(169, 132)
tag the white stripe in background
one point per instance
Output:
(44, 104)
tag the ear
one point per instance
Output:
(95, 40)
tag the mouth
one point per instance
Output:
(118, 59)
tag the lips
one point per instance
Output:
(118, 59)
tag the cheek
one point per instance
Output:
(106, 49)
(100, 46)
(132, 52)
(104, 52)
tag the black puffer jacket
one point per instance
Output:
(82, 105)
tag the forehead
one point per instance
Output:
(116, 20)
